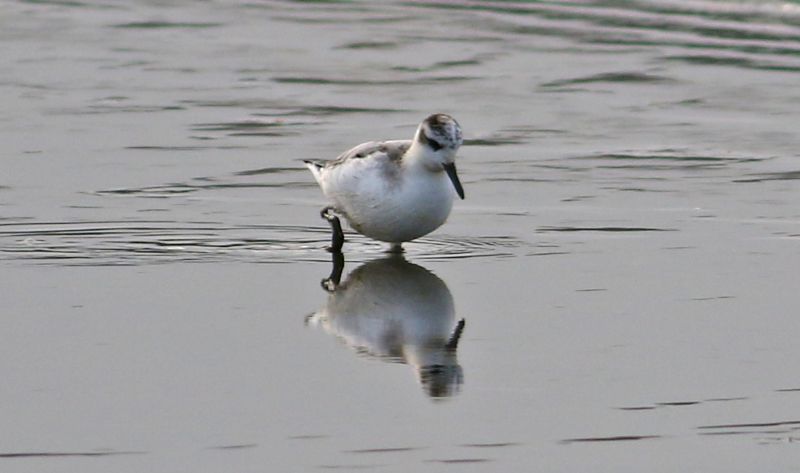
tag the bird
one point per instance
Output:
(393, 191)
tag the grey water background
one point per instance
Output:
(626, 259)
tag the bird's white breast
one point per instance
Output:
(387, 201)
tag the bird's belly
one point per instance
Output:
(403, 215)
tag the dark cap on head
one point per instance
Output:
(441, 131)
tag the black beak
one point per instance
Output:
(450, 169)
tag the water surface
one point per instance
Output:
(625, 263)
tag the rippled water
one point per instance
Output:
(625, 263)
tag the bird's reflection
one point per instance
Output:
(396, 311)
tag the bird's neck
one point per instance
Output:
(418, 157)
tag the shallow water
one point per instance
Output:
(625, 261)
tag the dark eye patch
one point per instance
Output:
(435, 145)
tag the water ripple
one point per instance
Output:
(165, 24)
(616, 438)
(725, 33)
(376, 82)
(65, 454)
(282, 109)
(153, 241)
(611, 77)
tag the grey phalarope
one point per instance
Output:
(393, 191)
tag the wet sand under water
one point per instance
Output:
(625, 262)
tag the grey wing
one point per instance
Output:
(394, 150)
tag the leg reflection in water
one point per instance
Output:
(396, 311)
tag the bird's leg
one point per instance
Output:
(330, 283)
(337, 236)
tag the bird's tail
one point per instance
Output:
(316, 169)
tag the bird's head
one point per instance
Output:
(440, 136)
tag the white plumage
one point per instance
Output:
(396, 191)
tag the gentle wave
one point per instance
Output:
(149, 242)
(759, 35)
